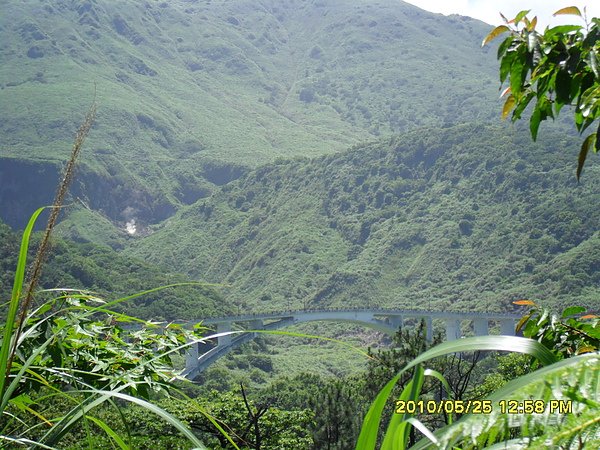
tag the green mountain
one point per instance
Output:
(222, 141)
(461, 218)
(192, 94)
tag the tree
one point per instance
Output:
(556, 67)
(252, 424)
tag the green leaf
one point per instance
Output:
(504, 46)
(594, 63)
(534, 122)
(585, 147)
(578, 119)
(572, 10)
(561, 29)
(495, 33)
(505, 65)
(572, 310)
(522, 105)
(517, 69)
(109, 431)
(563, 86)
(520, 16)
(15, 299)
(586, 123)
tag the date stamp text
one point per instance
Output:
(483, 406)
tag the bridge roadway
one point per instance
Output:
(202, 355)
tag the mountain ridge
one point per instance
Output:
(192, 93)
(428, 218)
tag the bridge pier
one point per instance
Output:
(429, 328)
(195, 351)
(223, 327)
(191, 357)
(480, 327)
(396, 322)
(257, 324)
(452, 329)
(507, 327)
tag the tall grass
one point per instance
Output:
(50, 349)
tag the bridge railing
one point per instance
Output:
(375, 311)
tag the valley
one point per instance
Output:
(265, 156)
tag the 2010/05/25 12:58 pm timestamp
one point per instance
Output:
(483, 406)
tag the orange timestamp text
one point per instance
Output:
(483, 406)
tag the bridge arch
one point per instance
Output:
(200, 356)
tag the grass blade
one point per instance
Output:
(399, 427)
(442, 379)
(538, 384)
(367, 439)
(24, 442)
(423, 429)
(15, 299)
(65, 424)
(159, 412)
(109, 431)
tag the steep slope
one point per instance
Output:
(191, 93)
(111, 276)
(467, 217)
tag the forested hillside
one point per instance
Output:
(110, 275)
(198, 98)
(192, 93)
(461, 218)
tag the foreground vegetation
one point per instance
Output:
(73, 359)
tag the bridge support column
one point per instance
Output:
(191, 357)
(452, 329)
(223, 327)
(396, 322)
(480, 327)
(429, 328)
(507, 327)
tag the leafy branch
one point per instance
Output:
(556, 67)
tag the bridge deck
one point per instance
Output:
(374, 311)
(387, 320)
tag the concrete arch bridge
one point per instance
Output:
(202, 355)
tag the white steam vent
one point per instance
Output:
(130, 227)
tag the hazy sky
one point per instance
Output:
(487, 10)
